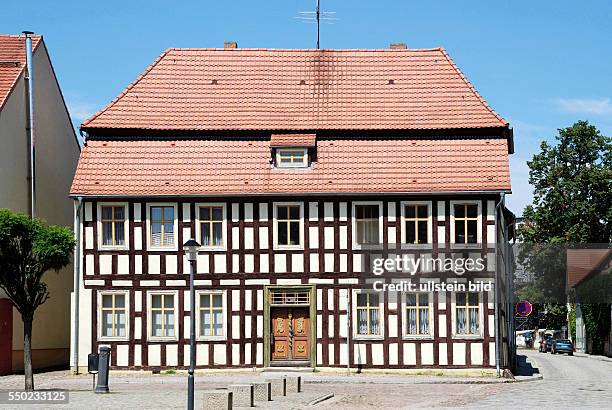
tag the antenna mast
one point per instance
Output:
(319, 17)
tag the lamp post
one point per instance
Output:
(191, 251)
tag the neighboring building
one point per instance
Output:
(57, 153)
(291, 168)
(589, 277)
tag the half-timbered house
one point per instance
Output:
(292, 169)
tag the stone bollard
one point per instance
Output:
(279, 386)
(218, 400)
(294, 384)
(243, 394)
(263, 391)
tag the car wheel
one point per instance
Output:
(570, 354)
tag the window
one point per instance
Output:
(291, 157)
(211, 314)
(367, 224)
(467, 314)
(288, 221)
(162, 226)
(465, 224)
(212, 225)
(112, 225)
(163, 316)
(368, 314)
(113, 315)
(416, 223)
(417, 314)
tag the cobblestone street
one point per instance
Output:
(568, 382)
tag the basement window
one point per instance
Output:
(291, 157)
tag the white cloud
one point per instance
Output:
(80, 111)
(599, 106)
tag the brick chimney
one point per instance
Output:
(230, 44)
(398, 46)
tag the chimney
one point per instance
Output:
(230, 44)
(398, 46)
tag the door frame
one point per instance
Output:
(312, 311)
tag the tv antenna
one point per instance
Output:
(319, 17)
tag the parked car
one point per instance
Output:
(548, 345)
(543, 348)
(562, 346)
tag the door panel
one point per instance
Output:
(301, 336)
(280, 335)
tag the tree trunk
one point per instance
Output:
(27, 353)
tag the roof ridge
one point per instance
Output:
(472, 88)
(128, 88)
(304, 49)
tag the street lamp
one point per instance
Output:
(191, 252)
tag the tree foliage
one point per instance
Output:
(28, 249)
(572, 204)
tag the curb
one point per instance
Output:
(320, 399)
(593, 357)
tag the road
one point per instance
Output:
(568, 382)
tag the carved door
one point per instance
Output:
(290, 334)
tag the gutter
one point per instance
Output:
(497, 330)
(78, 205)
(29, 85)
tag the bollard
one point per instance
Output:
(279, 386)
(243, 395)
(103, 366)
(263, 391)
(294, 384)
(220, 399)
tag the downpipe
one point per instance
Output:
(76, 282)
(496, 293)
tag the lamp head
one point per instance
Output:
(191, 249)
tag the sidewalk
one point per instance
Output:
(594, 357)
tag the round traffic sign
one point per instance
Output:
(524, 308)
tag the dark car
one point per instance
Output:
(542, 348)
(562, 346)
(548, 344)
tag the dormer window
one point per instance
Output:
(293, 150)
(291, 157)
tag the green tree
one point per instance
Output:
(28, 249)
(572, 204)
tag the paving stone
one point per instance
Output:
(217, 400)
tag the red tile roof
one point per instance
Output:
(241, 167)
(268, 89)
(582, 262)
(12, 62)
(293, 140)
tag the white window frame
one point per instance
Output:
(126, 231)
(381, 310)
(126, 294)
(223, 226)
(224, 306)
(481, 317)
(405, 334)
(354, 220)
(303, 164)
(150, 315)
(278, 246)
(429, 242)
(478, 243)
(150, 247)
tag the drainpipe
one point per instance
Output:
(78, 204)
(497, 330)
(29, 84)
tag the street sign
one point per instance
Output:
(524, 308)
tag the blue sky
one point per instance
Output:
(541, 64)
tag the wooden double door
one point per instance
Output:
(290, 334)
